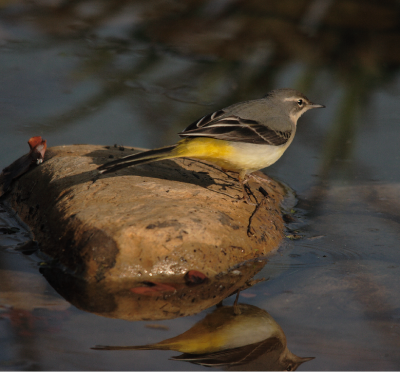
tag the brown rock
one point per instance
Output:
(149, 223)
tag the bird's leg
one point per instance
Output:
(243, 179)
(236, 309)
(245, 194)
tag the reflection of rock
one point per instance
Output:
(24, 291)
(149, 222)
(251, 340)
(118, 300)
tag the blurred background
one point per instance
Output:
(134, 73)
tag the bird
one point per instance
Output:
(250, 338)
(243, 138)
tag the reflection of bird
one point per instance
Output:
(222, 338)
(244, 137)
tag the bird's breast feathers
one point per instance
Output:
(234, 156)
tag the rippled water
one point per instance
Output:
(136, 73)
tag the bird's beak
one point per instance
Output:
(315, 105)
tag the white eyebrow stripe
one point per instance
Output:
(291, 99)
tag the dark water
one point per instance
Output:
(136, 73)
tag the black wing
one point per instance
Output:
(231, 357)
(236, 129)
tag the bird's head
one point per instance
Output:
(291, 103)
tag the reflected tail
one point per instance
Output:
(140, 347)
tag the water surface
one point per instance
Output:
(136, 73)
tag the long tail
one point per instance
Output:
(135, 159)
(140, 347)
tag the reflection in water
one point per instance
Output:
(250, 340)
(25, 291)
(239, 336)
(134, 300)
(22, 294)
(145, 50)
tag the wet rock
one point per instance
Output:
(149, 222)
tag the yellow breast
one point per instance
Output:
(234, 156)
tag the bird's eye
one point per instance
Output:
(289, 367)
(300, 102)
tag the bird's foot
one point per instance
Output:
(246, 197)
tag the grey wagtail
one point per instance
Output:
(243, 138)
(223, 338)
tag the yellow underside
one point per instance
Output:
(233, 156)
(216, 151)
(200, 344)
